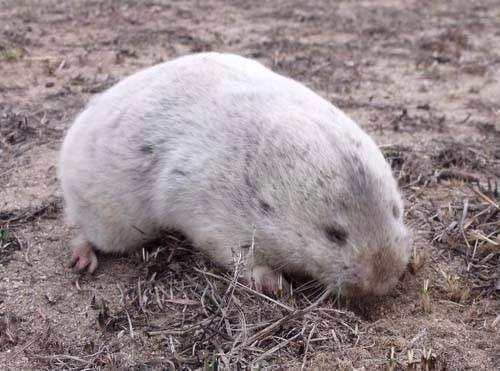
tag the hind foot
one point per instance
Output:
(84, 257)
(269, 282)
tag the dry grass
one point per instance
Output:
(8, 243)
(468, 223)
(203, 319)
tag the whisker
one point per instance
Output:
(309, 285)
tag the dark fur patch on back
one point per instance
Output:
(265, 207)
(178, 172)
(147, 149)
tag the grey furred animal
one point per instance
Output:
(233, 155)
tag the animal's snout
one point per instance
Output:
(370, 289)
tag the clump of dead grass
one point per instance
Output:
(8, 335)
(471, 227)
(212, 321)
(48, 209)
(201, 318)
(8, 243)
(14, 127)
(469, 224)
(20, 129)
(10, 220)
(444, 47)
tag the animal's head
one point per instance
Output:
(345, 228)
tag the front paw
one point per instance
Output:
(269, 282)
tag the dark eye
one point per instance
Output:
(336, 234)
(395, 212)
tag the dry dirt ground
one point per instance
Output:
(422, 77)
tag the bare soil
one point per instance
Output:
(422, 77)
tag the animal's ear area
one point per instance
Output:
(336, 233)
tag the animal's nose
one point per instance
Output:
(368, 288)
(361, 290)
(379, 290)
(383, 287)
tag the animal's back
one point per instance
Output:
(114, 155)
(121, 160)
